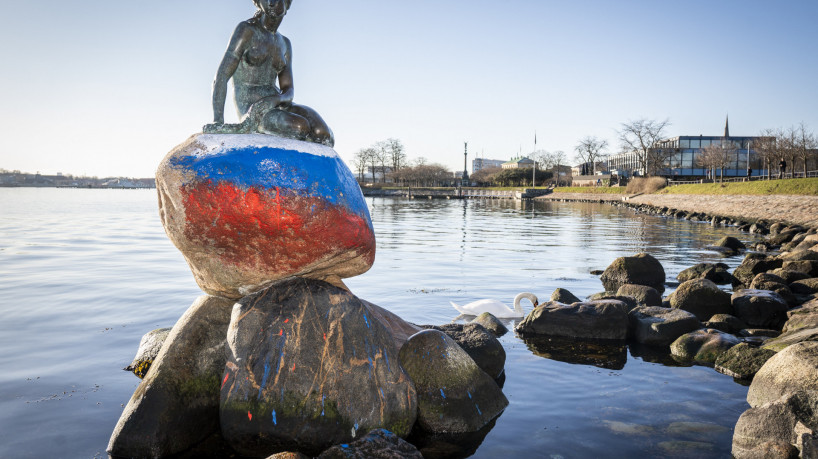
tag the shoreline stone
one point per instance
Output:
(177, 404)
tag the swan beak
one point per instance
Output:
(536, 303)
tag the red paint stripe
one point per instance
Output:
(225, 379)
(266, 228)
(249, 415)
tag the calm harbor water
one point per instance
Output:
(84, 273)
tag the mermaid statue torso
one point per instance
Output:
(259, 59)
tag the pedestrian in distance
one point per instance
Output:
(782, 168)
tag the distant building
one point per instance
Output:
(518, 163)
(482, 163)
(680, 157)
(586, 169)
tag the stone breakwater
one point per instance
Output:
(802, 210)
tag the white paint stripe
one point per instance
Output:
(226, 142)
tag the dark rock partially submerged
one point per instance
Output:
(601, 319)
(702, 298)
(658, 326)
(454, 394)
(149, 347)
(640, 269)
(479, 343)
(742, 361)
(703, 346)
(177, 404)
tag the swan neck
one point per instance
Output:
(530, 296)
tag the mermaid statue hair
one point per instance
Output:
(258, 14)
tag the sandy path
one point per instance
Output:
(794, 209)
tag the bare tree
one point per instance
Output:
(717, 155)
(360, 162)
(396, 153)
(641, 137)
(559, 158)
(804, 146)
(589, 150)
(766, 147)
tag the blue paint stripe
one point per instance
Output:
(267, 167)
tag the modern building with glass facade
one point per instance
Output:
(680, 157)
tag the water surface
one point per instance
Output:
(84, 273)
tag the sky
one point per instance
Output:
(107, 88)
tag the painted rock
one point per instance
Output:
(310, 366)
(249, 209)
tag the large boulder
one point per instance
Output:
(805, 286)
(643, 294)
(792, 337)
(791, 370)
(149, 347)
(601, 319)
(481, 345)
(562, 295)
(760, 308)
(701, 297)
(249, 209)
(658, 326)
(702, 346)
(177, 404)
(717, 273)
(789, 276)
(743, 361)
(726, 323)
(728, 245)
(378, 444)
(454, 394)
(804, 316)
(754, 264)
(771, 430)
(309, 367)
(641, 269)
(809, 267)
(491, 323)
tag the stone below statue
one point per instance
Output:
(249, 209)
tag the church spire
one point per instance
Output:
(727, 126)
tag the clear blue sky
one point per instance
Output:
(109, 87)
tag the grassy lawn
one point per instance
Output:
(590, 189)
(802, 186)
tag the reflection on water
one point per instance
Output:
(608, 354)
(84, 273)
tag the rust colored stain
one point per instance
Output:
(273, 228)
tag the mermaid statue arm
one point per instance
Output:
(230, 62)
(285, 77)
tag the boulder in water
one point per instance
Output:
(308, 367)
(640, 269)
(601, 319)
(248, 209)
(177, 404)
(454, 394)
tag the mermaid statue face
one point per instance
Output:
(273, 8)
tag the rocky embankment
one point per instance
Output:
(802, 210)
(764, 331)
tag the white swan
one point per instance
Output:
(497, 308)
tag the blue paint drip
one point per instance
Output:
(442, 394)
(344, 445)
(264, 377)
(291, 171)
(469, 394)
(478, 409)
(323, 397)
(275, 423)
(386, 357)
(381, 389)
(366, 320)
